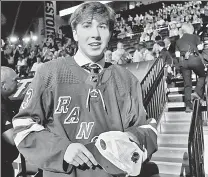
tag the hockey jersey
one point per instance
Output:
(61, 107)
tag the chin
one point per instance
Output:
(96, 54)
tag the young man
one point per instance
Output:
(8, 149)
(72, 101)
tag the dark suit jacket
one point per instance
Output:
(165, 55)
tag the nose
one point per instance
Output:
(96, 33)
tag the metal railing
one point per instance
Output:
(153, 89)
(196, 142)
(205, 113)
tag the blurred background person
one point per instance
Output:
(36, 65)
(146, 54)
(120, 56)
(21, 66)
(164, 53)
(108, 56)
(9, 151)
(137, 56)
(187, 50)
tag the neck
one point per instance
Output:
(93, 59)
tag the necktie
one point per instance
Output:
(92, 68)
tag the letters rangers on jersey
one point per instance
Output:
(85, 128)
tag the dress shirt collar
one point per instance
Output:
(82, 59)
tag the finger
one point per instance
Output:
(85, 159)
(89, 155)
(79, 160)
(75, 163)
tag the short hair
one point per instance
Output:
(119, 42)
(161, 43)
(187, 28)
(5, 72)
(158, 37)
(93, 10)
(142, 45)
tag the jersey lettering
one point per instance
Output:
(63, 104)
(28, 97)
(24, 83)
(85, 130)
(73, 116)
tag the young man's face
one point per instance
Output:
(93, 37)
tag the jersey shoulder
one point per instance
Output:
(59, 71)
(124, 79)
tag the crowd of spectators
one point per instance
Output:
(149, 28)
(168, 16)
(26, 58)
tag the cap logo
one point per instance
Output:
(135, 157)
(103, 144)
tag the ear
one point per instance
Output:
(75, 35)
(3, 85)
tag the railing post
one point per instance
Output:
(196, 142)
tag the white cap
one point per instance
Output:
(125, 154)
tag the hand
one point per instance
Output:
(131, 136)
(77, 154)
(200, 46)
(187, 54)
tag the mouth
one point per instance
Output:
(95, 44)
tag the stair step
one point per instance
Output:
(176, 117)
(172, 139)
(185, 145)
(179, 89)
(180, 106)
(171, 159)
(177, 128)
(170, 152)
(172, 168)
(205, 130)
(175, 97)
(181, 83)
(165, 175)
(176, 106)
(193, 76)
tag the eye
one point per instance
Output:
(103, 26)
(86, 25)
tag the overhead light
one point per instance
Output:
(26, 39)
(34, 38)
(131, 6)
(72, 9)
(13, 39)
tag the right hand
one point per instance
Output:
(77, 154)
(187, 54)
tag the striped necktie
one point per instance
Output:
(92, 68)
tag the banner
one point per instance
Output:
(50, 19)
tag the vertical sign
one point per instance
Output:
(50, 19)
